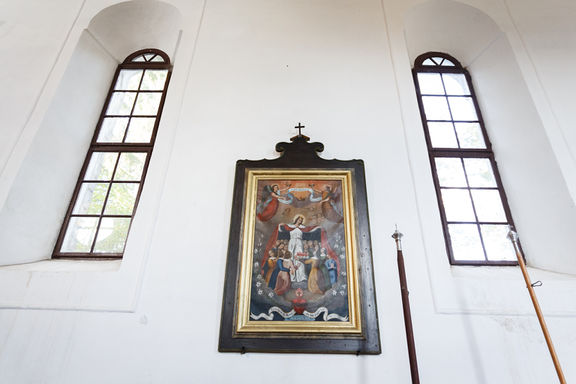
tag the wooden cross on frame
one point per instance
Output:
(299, 128)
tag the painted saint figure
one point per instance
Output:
(285, 267)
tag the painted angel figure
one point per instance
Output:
(271, 195)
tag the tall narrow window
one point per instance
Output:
(473, 205)
(107, 192)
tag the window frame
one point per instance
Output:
(461, 153)
(120, 148)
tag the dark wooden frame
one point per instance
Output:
(95, 146)
(301, 155)
(459, 152)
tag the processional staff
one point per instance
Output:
(397, 236)
(513, 236)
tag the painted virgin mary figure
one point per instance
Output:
(296, 232)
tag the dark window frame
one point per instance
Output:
(95, 146)
(433, 153)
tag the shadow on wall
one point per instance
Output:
(30, 219)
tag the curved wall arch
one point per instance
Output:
(537, 193)
(33, 212)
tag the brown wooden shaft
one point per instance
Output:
(407, 318)
(539, 314)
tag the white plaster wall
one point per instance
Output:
(246, 73)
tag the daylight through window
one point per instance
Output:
(473, 205)
(110, 183)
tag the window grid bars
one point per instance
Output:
(121, 147)
(461, 153)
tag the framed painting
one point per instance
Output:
(299, 270)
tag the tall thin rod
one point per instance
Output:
(406, 307)
(513, 236)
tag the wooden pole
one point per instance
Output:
(406, 307)
(513, 236)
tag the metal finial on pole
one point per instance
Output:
(397, 236)
(513, 236)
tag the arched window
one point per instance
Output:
(473, 206)
(110, 182)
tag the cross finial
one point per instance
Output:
(299, 128)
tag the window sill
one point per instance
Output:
(91, 285)
(60, 265)
(502, 291)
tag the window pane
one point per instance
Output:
(479, 172)
(101, 166)
(488, 205)
(112, 129)
(140, 130)
(430, 83)
(465, 240)
(147, 103)
(462, 108)
(457, 205)
(455, 84)
(112, 235)
(79, 234)
(429, 62)
(121, 103)
(450, 172)
(154, 79)
(121, 199)
(128, 79)
(470, 135)
(498, 246)
(442, 135)
(90, 199)
(436, 108)
(130, 166)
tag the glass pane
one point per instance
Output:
(101, 166)
(470, 135)
(140, 130)
(147, 103)
(488, 205)
(148, 56)
(91, 198)
(455, 84)
(462, 108)
(457, 205)
(121, 199)
(479, 172)
(450, 172)
(447, 63)
(496, 242)
(79, 234)
(465, 240)
(154, 79)
(130, 166)
(128, 79)
(112, 130)
(138, 59)
(436, 108)
(430, 83)
(157, 59)
(112, 235)
(442, 135)
(429, 62)
(121, 103)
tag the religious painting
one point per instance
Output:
(298, 258)
(296, 263)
